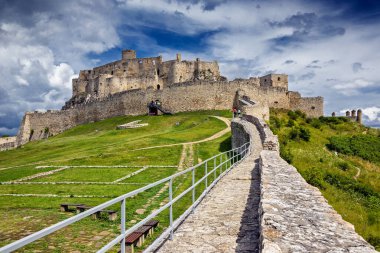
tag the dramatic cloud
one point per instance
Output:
(326, 47)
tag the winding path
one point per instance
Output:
(213, 137)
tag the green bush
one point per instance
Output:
(291, 123)
(286, 155)
(304, 134)
(300, 114)
(315, 177)
(294, 134)
(316, 124)
(343, 166)
(298, 133)
(275, 124)
(292, 115)
(364, 146)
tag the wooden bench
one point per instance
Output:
(137, 237)
(112, 215)
(65, 206)
(134, 239)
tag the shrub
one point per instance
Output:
(304, 134)
(290, 123)
(292, 115)
(275, 123)
(315, 177)
(294, 134)
(364, 146)
(300, 114)
(316, 123)
(343, 166)
(286, 155)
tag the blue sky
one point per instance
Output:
(328, 48)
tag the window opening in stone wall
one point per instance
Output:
(265, 80)
(111, 72)
(313, 107)
(278, 79)
(158, 87)
(158, 72)
(276, 102)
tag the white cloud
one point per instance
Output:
(40, 53)
(373, 113)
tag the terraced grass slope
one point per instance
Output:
(339, 157)
(93, 163)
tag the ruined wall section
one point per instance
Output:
(7, 143)
(312, 106)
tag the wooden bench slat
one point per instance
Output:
(152, 223)
(143, 229)
(133, 237)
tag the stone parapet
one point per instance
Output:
(268, 139)
(294, 216)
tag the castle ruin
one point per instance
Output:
(126, 86)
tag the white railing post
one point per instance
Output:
(226, 165)
(214, 168)
(206, 183)
(192, 184)
(171, 207)
(122, 225)
(220, 164)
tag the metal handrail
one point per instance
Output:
(232, 159)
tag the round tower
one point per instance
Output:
(347, 113)
(359, 117)
(353, 113)
(333, 114)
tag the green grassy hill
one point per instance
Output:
(339, 157)
(29, 200)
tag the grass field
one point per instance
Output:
(349, 183)
(93, 163)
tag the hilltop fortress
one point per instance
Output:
(126, 86)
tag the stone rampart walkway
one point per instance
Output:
(227, 219)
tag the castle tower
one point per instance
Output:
(128, 54)
(333, 114)
(347, 113)
(359, 116)
(178, 57)
(353, 114)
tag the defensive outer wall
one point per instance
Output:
(180, 97)
(294, 216)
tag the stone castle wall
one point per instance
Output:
(7, 143)
(180, 97)
(294, 216)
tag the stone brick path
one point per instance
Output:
(227, 219)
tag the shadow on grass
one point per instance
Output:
(225, 145)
